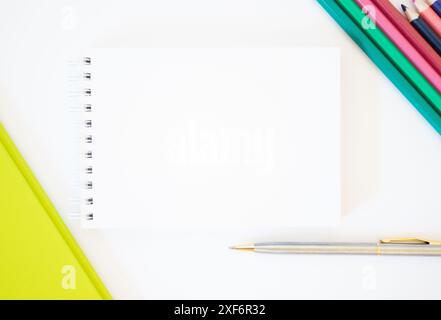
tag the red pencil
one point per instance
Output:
(427, 13)
(410, 33)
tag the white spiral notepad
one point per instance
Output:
(237, 137)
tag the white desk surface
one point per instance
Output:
(390, 159)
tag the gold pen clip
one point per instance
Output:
(416, 241)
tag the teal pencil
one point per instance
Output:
(383, 63)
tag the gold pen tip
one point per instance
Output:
(243, 247)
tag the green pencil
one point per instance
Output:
(394, 54)
(383, 63)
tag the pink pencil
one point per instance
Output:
(427, 13)
(401, 42)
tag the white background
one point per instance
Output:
(391, 172)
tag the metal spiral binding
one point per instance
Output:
(88, 141)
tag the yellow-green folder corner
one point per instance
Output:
(39, 258)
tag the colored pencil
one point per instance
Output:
(376, 15)
(428, 15)
(422, 28)
(393, 54)
(435, 5)
(410, 33)
(383, 63)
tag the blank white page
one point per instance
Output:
(214, 137)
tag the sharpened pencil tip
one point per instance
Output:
(403, 7)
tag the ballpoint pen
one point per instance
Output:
(398, 246)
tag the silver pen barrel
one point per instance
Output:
(346, 248)
(316, 248)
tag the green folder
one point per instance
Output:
(412, 90)
(39, 258)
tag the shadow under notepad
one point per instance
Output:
(360, 131)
